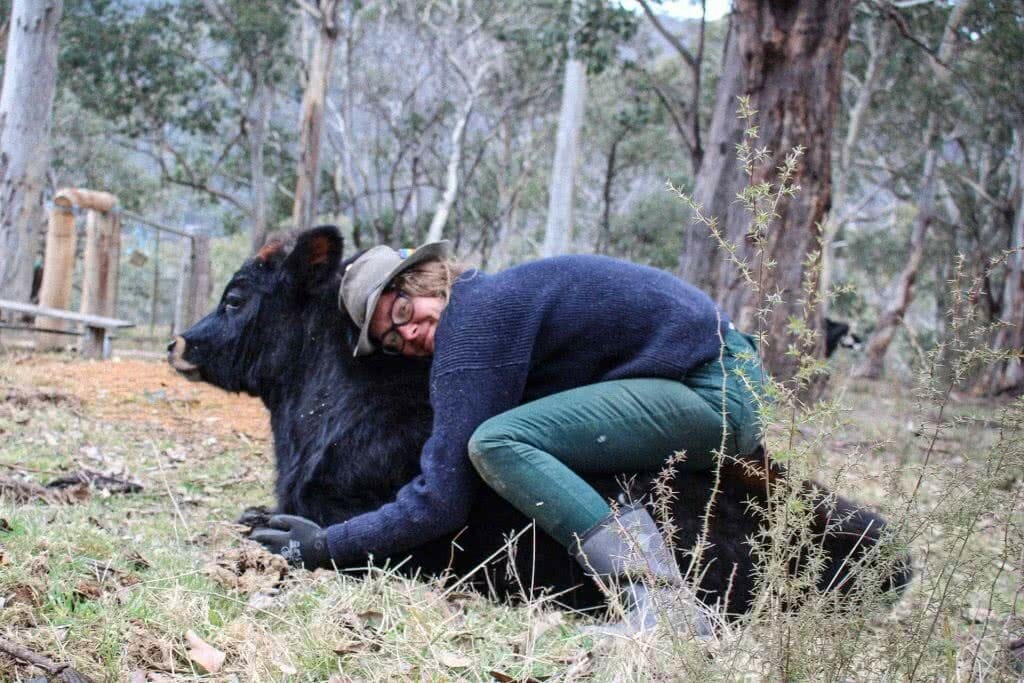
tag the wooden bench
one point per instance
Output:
(97, 328)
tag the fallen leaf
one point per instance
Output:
(29, 594)
(5, 525)
(88, 589)
(287, 669)
(454, 660)
(204, 654)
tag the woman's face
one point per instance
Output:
(418, 333)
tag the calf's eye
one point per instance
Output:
(232, 302)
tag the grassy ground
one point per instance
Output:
(131, 586)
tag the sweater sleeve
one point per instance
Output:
(438, 500)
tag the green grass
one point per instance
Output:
(75, 590)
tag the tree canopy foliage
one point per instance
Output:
(196, 103)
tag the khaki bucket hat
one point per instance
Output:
(366, 278)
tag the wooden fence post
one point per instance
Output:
(202, 280)
(58, 271)
(102, 248)
(102, 257)
(195, 284)
(182, 300)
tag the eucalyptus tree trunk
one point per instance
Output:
(26, 103)
(873, 363)
(1008, 374)
(563, 170)
(321, 61)
(719, 177)
(791, 53)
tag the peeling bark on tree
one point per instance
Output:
(719, 177)
(30, 77)
(792, 54)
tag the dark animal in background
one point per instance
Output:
(347, 435)
(838, 334)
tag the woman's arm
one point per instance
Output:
(438, 500)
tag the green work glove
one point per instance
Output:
(297, 539)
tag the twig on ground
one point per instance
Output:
(64, 672)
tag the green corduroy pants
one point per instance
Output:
(533, 455)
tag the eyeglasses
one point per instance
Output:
(402, 308)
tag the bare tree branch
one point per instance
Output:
(312, 10)
(687, 56)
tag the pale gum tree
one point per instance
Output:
(26, 103)
(562, 185)
(416, 149)
(473, 56)
(320, 65)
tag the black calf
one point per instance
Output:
(348, 432)
(838, 334)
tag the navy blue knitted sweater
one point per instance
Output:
(519, 335)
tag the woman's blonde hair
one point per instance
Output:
(430, 278)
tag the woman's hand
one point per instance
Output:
(297, 539)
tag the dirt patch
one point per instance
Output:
(138, 392)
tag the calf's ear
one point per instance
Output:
(315, 257)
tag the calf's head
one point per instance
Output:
(280, 301)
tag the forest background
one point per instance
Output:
(521, 129)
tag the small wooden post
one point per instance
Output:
(202, 280)
(155, 300)
(182, 300)
(195, 285)
(58, 271)
(102, 256)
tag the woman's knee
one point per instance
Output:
(489, 447)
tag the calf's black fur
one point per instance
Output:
(348, 432)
